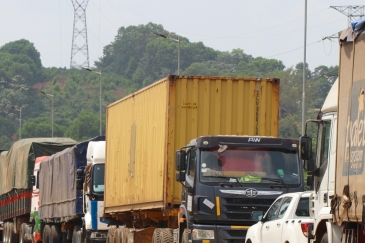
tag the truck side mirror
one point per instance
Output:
(310, 181)
(32, 179)
(79, 178)
(305, 147)
(180, 160)
(180, 176)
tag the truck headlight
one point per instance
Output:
(199, 234)
(94, 235)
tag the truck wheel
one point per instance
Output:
(124, 235)
(166, 236)
(22, 233)
(324, 238)
(64, 238)
(156, 237)
(46, 234)
(55, 234)
(75, 234)
(185, 236)
(5, 233)
(13, 238)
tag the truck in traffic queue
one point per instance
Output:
(188, 158)
(71, 194)
(16, 190)
(335, 157)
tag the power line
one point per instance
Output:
(256, 31)
(294, 49)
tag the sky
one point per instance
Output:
(271, 29)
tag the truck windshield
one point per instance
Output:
(250, 165)
(98, 178)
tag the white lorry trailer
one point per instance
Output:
(337, 205)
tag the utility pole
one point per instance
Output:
(178, 48)
(304, 65)
(93, 71)
(79, 51)
(20, 119)
(353, 12)
(50, 95)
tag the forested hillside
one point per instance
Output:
(137, 57)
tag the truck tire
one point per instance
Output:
(124, 235)
(5, 233)
(55, 234)
(166, 236)
(110, 235)
(64, 237)
(185, 238)
(156, 237)
(22, 233)
(75, 235)
(46, 234)
(324, 238)
(13, 238)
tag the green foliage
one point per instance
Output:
(5, 142)
(84, 127)
(20, 58)
(136, 58)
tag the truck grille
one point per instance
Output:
(241, 208)
(236, 233)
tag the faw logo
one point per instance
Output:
(254, 140)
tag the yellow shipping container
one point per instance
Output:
(145, 129)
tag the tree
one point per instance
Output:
(20, 58)
(84, 127)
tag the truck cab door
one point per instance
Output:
(189, 179)
(324, 182)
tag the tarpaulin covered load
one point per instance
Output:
(16, 165)
(57, 183)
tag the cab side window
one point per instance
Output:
(191, 163)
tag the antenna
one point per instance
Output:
(79, 50)
(352, 12)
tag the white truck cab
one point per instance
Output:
(324, 174)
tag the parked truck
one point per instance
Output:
(71, 189)
(337, 161)
(16, 191)
(194, 197)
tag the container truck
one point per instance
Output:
(163, 199)
(337, 160)
(16, 191)
(71, 201)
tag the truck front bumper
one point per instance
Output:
(218, 233)
(96, 236)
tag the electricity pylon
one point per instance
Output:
(79, 50)
(353, 13)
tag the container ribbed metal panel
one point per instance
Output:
(145, 129)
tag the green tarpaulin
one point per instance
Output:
(18, 163)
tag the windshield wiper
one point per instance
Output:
(228, 183)
(279, 182)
